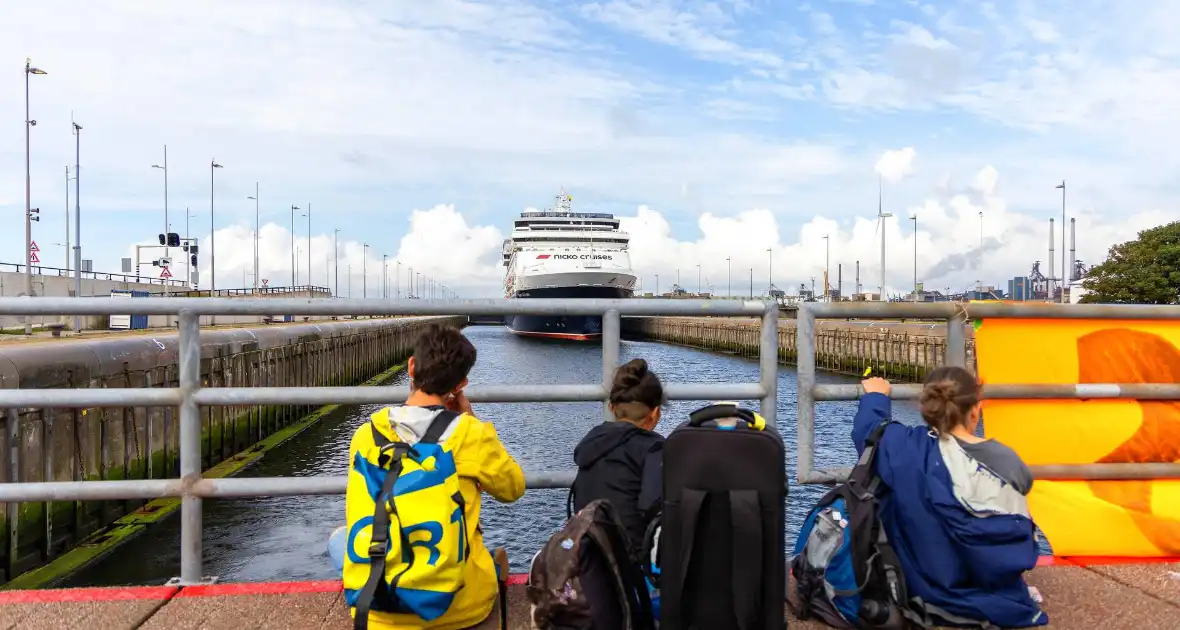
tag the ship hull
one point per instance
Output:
(563, 327)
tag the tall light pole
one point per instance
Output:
(1061, 288)
(397, 280)
(769, 269)
(410, 282)
(256, 235)
(309, 278)
(881, 216)
(336, 256)
(29, 124)
(914, 218)
(365, 271)
(212, 232)
(698, 281)
(78, 220)
(827, 265)
(385, 275)
(729, 278)
(293, 209)
(166, 224)
(187, 247)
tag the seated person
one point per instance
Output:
(463, 590)
(955, 510)
(622, 461)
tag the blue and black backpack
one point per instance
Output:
(846, 572)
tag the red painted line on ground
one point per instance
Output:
(261, 588)
(101, 594)
(1053, 561)
(1089, 561)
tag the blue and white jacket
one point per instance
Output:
(963, 535)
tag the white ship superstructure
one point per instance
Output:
(559, 253)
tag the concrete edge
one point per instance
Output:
(102, 542)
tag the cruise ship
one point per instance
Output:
(559, 253)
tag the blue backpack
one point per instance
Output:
(846, 572)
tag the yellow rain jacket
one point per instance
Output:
(481, 463)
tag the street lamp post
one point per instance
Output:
(166, 224)
(980, 246)
(336, 256)
(729, 278)
(212, 232)
(769, 269)
(256, 236)
(29, 124)
(827, 266)
(78, 220)
(365, 271)
(384, 275)
(698, 281)
(397, 280)
(1061, 288)
(914, 218)
(310, 281)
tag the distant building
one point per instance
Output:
(1020, 289)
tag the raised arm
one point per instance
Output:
(875, 408)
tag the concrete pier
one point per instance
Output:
(903, 351)
(142, 443)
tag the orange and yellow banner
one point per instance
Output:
(1090, 518)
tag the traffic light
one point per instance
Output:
(162, 241)
(192, 249)
(173, 239)
(194, 260)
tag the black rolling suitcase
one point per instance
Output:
(722, 539)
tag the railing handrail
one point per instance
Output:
(191, 487)
(39, 270)
(957, 316)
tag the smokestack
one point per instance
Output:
(1051, 293)
(840, 280)
(1073, 250)
(858, 279)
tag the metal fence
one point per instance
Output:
(958, 316)
(190, 395)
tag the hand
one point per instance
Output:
(875, 385)
(458, 402)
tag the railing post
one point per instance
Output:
(190, 449)
(956, 342)
(610, 357)
(804, 401)
(768, 363)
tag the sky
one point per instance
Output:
(716, 129)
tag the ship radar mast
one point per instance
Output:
(564, 201)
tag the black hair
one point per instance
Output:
(442, 359)
(635, 391)
(947, 398)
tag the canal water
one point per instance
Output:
(285, 538)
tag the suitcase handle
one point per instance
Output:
(720, 411)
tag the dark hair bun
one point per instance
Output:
(635, 384)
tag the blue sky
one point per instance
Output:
(719, 129)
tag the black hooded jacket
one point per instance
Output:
(622, 463)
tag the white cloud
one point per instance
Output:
(895, 164)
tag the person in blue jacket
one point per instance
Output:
(955, 509)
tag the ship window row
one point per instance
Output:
(558, 241)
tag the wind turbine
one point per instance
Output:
(881, 216)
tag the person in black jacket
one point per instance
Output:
(622, 461)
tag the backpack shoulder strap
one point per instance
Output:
(438, 426)
(391, 452)
(746, 517)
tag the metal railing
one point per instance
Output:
(957, 316)
(44, 270)
(190, 395)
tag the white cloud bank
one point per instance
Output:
(952, 251)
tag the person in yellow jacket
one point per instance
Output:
(437, 572)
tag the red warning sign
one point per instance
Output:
(165, 273)
(33, 257)
(33, 247)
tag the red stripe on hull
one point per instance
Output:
(548, 335)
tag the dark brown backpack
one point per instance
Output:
(583, 579)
